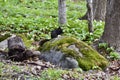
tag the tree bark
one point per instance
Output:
(90, 15)
(62, 12)
(18, 52)
(99, 10)
(111, 33)
(16, 49)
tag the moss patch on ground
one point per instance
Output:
(89, 59)
(27, 42)
(3, 37)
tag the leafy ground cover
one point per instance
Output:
(36, 18)
(41, 70)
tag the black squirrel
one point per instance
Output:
(54, 34)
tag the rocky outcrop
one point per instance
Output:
(68, 52)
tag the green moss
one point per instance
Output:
(59, 43)
(89, 58)
(84, 64)
(69, 52)
(89, 52)
(3, 37)
(27, 42)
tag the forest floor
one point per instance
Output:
(41, 70)
(36, 19)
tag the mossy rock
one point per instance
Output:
(3, 41)
(85, 55)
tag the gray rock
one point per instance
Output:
(52, 56)
(69, 63)
(59, 58)
(4, 44)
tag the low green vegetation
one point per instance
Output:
(59, 74)
(114, 55)
(109, 50)
(103, 45)
(37, 18)
(52, 74)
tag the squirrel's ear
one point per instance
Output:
(59, 27)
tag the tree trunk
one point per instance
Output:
(111, 33)
(16, 49)
(62, 12)
(18, 52)
(99, 10)
(90, 15)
